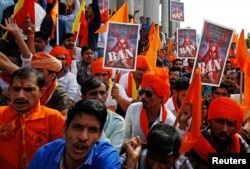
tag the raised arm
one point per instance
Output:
(13, 28)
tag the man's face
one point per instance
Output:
(68, 43)
(173, 76)
(24, 94)
(88, 56)
(49, 77)
(231, 78)
(222, 129)
(97, 93)
(62, 59)
(40, 44)
(178, 64)
(180, 95)
(156, 161)
(81, 135)
(220, 92)
(103, 75)
(149, 98)
(139, 72)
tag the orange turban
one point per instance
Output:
(224, 107)
(97, 67)
(141, 62)
(158, 81)
(46, 61)
(59, 50)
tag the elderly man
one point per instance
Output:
(116, 93)
(225, 118)
(25, 125)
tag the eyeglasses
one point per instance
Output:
(149, 94)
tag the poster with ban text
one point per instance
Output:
(121, 46)
(176, 11)
(186, 43)
(212, 52)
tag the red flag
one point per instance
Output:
(121, 15)
(22, 10)
(194, 97)
(54, 16)
(79, 27)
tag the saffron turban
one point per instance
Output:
(224, 107)
(46, 61)
(159, 81)
(141, 62)
(97, 67)
(59, 50)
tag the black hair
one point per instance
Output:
(14, 53)
(174, 69)
(93, 107)
(62, 9)
(86, 47)
(43, 35)
(182, 83)
(225, 85)
(163, 140)
(92, 83)
(66, 36)
(25, 73)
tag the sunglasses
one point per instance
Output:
(149, 94)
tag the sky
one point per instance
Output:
(230, 13)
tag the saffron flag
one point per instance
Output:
(54, 16)
(155, 44)
(79, 27)
(242, 54)
(22, 9)
(243, 60)
(194, 97)
(121, 15)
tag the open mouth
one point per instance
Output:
(80, 148)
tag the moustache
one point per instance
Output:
(81, 145)
(21, 101)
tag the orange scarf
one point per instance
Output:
(144, 120)
(132, 91)
(203, 147)
(45, 98)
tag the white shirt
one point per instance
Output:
(132, 121)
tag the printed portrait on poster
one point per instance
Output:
(176, 11)
(121, 46)
(213, 51)
(186, 43)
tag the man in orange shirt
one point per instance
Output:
(25, 125)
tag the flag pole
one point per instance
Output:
(77, 34)
(57, 31)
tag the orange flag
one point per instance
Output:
(242, 54)
(194, 97)
(243, 60)
(155, 44)
(22, 10)
(54, 15)
(121, 15)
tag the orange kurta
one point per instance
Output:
(41, 126)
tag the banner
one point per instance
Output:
(212, 53)
(121, 46)
(176, 11)
(186, 43)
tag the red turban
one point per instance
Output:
(158, 81)
(97, 67)
(46, 61)
(224, 107)
(59, 50)
(141, 62)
